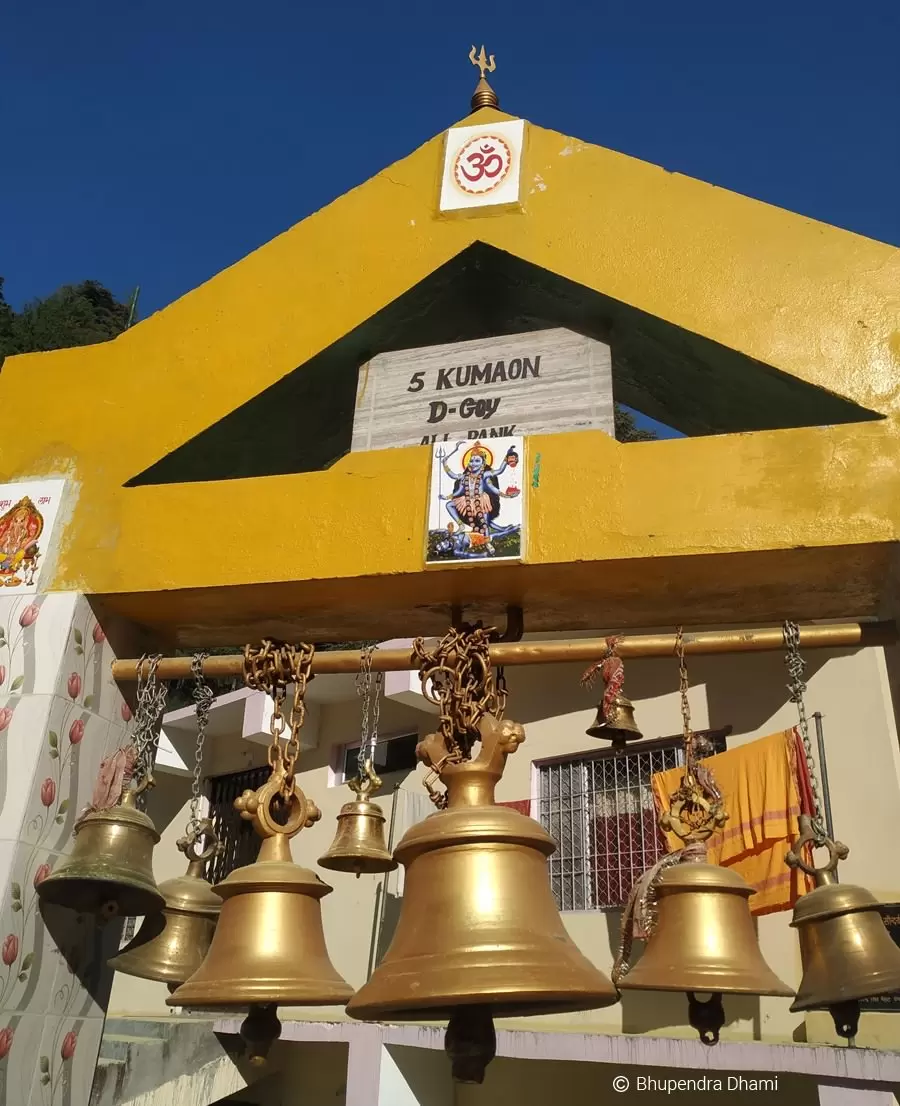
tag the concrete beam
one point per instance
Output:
(832, 1065)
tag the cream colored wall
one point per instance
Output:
(852, 690)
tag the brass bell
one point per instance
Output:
(173, 942)
(479, 933)
(110, 870)
(616, 722)
(358, 844)
(269, 946)
(704, 942)
(845, 948)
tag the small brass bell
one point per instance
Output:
(845, 948)
(173, 942)
(358, 844)
(615, 714)
(479, 934)
(616, 722)
(269, 945)
(110, 870)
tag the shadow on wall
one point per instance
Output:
(383, 934)
(743, 695)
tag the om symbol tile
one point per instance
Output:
(482, 165)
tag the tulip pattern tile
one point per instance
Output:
(60, 715)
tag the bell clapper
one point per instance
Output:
(707, 1016)
(259, 1031)
(470, 1042)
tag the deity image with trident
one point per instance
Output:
(474, 501)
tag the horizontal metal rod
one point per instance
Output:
(584, 650)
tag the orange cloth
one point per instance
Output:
(758, 783)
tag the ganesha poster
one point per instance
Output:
(476, 503)
(27, 516)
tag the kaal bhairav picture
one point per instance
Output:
(476, 507)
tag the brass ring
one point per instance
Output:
(837, 851)
(206, 831)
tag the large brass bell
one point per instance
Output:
(615, 722)
(358, 844)
(110, 871)
(703, 941)
(845, 948)
(269, 945)
(173, 942)
(704, 944)
(479, 933)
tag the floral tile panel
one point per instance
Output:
(85, 674)
(70, 750)
(23, 727)
(64, 1064)
(20, 1044)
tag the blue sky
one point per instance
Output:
(155, 144)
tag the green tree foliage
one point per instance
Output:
(75, 315)
(627, 430)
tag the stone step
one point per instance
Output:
(113, 1046)
(109, 1078)
(151, 1027)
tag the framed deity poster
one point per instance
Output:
(476, 506)
(27, 516)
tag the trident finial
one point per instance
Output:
(484, 96)
(485, 64)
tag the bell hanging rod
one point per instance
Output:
(849, 635)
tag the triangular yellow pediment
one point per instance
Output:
(799, 298)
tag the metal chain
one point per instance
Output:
(371, 697)
(457, 677)
(151, 702)
(270, 669)
(203, 697)
(796, 665)
(300, 659)
(683, 688)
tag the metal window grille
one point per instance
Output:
(600, 811)
(128, 930)
(240, 841)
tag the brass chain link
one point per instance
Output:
(796, 665)
(369, 691)
(683, 688)
(203, 697)
(151, 702)
(271, 668)
(457, 677)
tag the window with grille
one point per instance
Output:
(395, 753)
(600, 811)
(239, 839)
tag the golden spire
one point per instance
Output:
(484, 96)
